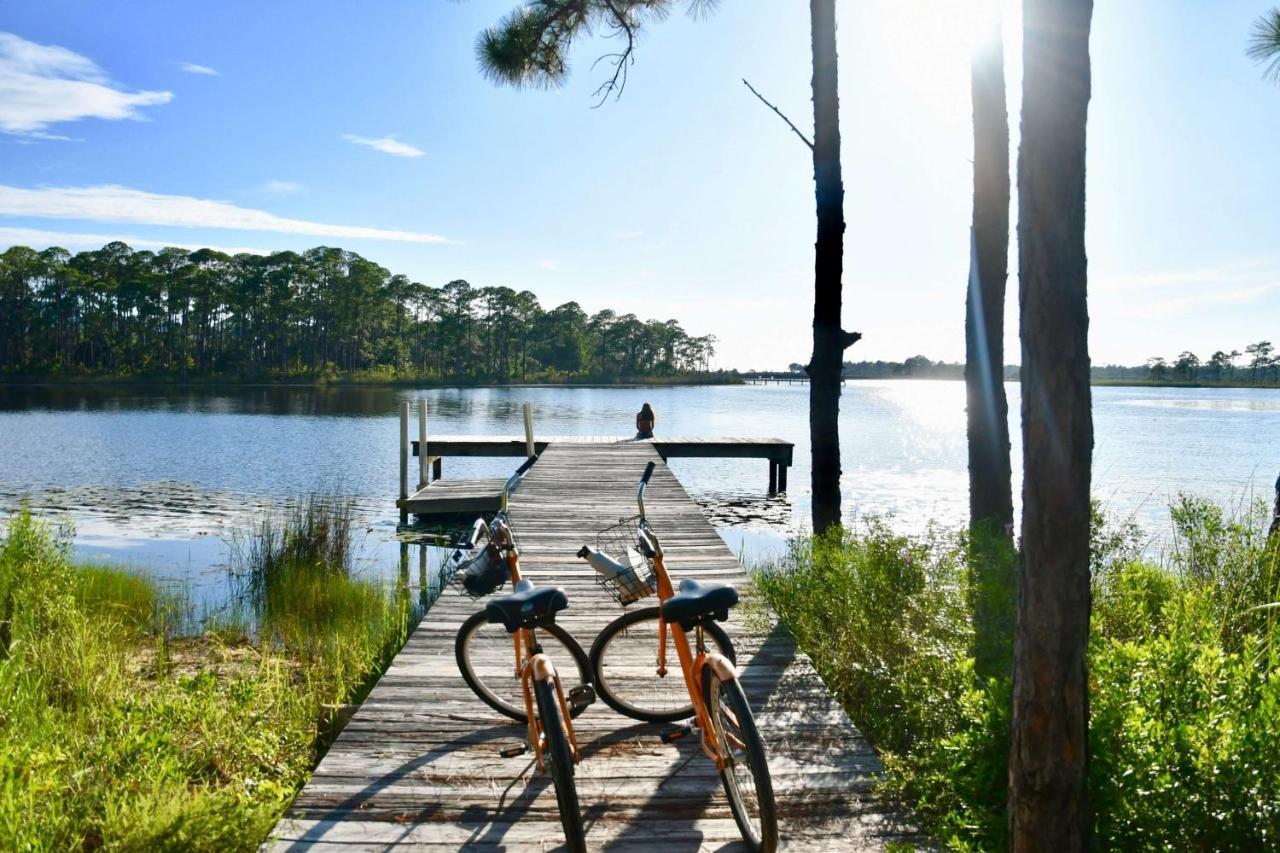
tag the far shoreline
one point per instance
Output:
(728, 379)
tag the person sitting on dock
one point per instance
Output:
(645, 421)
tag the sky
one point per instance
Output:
(285, 125)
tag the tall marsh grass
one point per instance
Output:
(116, 734)
(1184, 664)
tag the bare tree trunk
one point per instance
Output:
(829, 340)
(990, 492)
(1048, 761)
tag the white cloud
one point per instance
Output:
(549, 264)
(1246, 272)
(42, 85)
(385, 144)
(121, 204)
(275, 186)
(37, 238)
(1172, 293)
(193, 68)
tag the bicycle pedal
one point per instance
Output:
(514, 751)
(675, 733)
(581, 696)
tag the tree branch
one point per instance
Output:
(803, 138)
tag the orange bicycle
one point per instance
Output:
(629, 660)
(523, 615)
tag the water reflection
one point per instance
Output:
(159, 476)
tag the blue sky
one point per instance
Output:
(289, 124)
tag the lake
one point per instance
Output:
(160, 477)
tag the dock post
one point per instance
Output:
(773, 477)
(404, 459)
(782, 476)
(528, 429)
(423, 457)
(437, 468)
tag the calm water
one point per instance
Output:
(159, 478)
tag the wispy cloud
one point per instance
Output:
(385, 144)
(282, 187)
(111, 203)
(626, 235)
(43, 85)
(1170, 293)
(1243, 272)
(193, 68)
(37, 238)
(1180, 305)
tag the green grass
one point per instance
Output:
(1184, 663)
(117, 734)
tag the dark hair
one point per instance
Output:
(645, 410)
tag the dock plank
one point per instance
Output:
(417, 767)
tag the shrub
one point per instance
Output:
(1183, 667)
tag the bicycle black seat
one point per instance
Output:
(527, 607)
(697, 602)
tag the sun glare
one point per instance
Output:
(927, 46)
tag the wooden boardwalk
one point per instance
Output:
(418, 764)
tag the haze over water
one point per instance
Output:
(158, 477)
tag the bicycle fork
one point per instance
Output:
(693, 668)
(540, 669)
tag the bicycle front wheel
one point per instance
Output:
(557, 757)
(746, 775)
(624, 659)
(486, 658)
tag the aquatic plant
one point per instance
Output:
(116, 733)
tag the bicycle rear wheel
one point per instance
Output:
(558, 759)
(746, 777)
(624, 659)
(486, 658)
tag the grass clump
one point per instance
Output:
(114, 733)
(1184, 667)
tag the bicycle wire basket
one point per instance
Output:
(630, 577)
(479, 572)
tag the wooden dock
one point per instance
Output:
(418, 764)
(436, 496)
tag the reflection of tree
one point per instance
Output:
(179, 313)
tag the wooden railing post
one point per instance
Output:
(404, 459)
(423, 457)
(528, 429)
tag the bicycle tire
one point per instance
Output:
(493, 677)
(759, 831)
(557, 758)
(639, 692)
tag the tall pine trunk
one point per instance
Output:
(990, 492)
(1048, 761)
(829, 340)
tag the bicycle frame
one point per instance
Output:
(530, 663)
(533, 665)
(692, 667)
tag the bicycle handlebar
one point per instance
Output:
(513, 479)
(644, 481)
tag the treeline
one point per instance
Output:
(322, 312)
(1259, 364)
